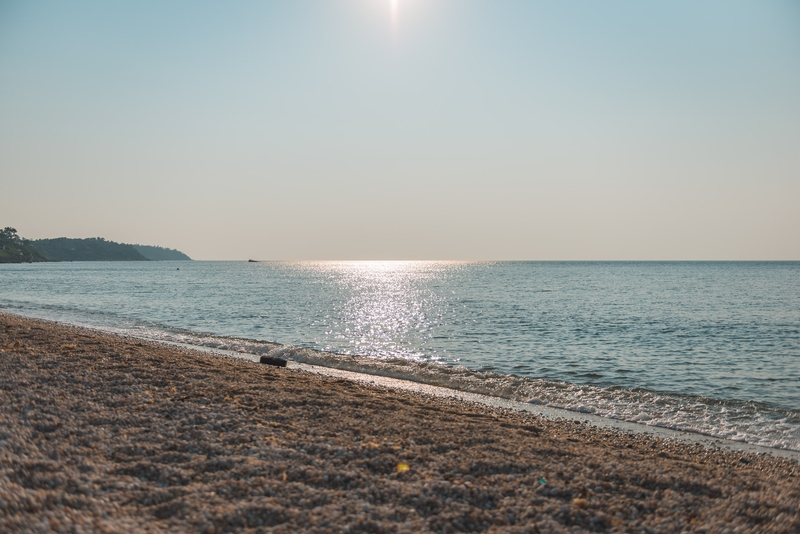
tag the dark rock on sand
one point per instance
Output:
(277, 362)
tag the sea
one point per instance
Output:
(706, 347)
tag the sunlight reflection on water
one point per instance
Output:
(386, 308)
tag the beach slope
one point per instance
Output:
(104, 433)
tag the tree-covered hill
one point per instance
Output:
(14, 249)
(91, 249)
(161, 253)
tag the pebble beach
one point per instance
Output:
(100, 433)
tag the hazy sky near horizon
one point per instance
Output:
(413, 129)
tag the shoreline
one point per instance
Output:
(106, 432)
(366, 376)
(598, 421)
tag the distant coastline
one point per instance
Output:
(154, 253)
(15, 249)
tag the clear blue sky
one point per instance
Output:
(437, 129)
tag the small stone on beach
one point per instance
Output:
(277, 362)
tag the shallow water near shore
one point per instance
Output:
(712, 348)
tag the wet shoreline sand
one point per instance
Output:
(104, 433)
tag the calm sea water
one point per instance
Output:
(705, 347)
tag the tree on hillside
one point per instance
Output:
(9, 234)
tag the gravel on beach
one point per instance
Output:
(104, 433)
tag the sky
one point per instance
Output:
(406, 129)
